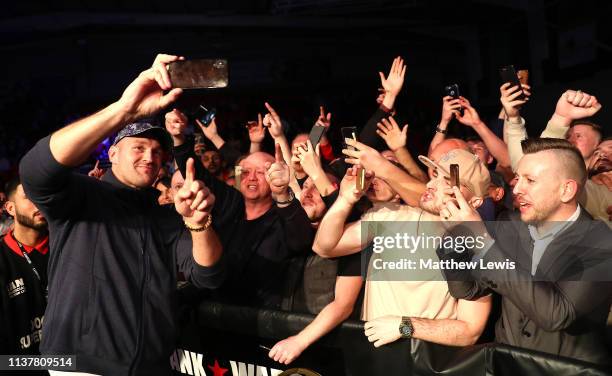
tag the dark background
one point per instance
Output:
(64, 59)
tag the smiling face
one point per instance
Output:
(136, 161)
(253, 184)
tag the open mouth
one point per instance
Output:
(524, 206)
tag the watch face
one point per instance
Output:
(405, 330)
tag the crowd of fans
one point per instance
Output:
(290, 218)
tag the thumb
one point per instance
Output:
(278, 153)
(405, 129)
(596, 106)
(382, 76)
(190, 171)
(170, 97)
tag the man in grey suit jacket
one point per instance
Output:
(553, 267)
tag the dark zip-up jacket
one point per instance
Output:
(112, 268)
(261, 255)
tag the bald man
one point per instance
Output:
(262, 228)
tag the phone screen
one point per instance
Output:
(199, 74)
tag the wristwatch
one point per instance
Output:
(440, 130)
(405, 328)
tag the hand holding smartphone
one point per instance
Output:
(453, 91)
(205, 115)
(350, 132)
(508, 74)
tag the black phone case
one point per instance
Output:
(315, 135)
(508, 74)
(453, 91)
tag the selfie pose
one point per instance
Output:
(114, 251)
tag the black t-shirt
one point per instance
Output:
(349, 266)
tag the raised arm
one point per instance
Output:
(310, 160)
(572, 105)
(392, 84)
(257, 133)
(514, 124)
(194, 202)
(47, 169)
(273, 122)
(391, 87)
(297, 227)
(198, 257)
(497, 147)
(326, 150)
(409, 188)
(71, 145)
(333, 237)
(450, 108)
(396, 140)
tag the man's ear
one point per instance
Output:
(112, 154)
(9, 206)
(569, 191)
(476, 202)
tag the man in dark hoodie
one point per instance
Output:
(113, 250)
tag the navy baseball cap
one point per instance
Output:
(147, 130)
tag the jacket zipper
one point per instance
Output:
(140, 315)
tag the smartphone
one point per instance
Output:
(204, 115)
(453, 91)
(454, 175)
(315, 135)
(508, 74)
(199, 74)
(348, 132)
